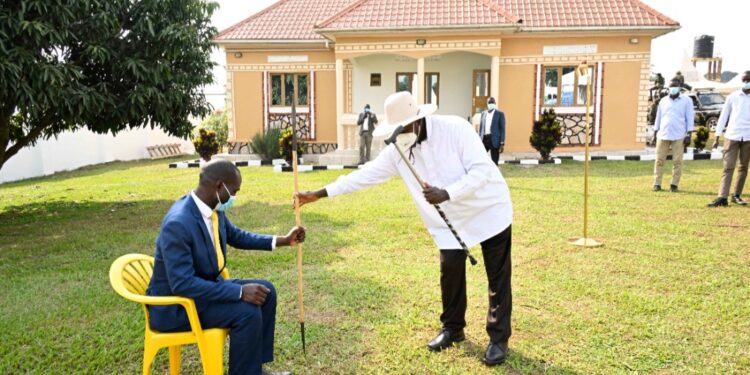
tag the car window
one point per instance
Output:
(695, 101)
(711, 99)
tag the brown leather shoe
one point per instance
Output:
(445, 339)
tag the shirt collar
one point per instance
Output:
(206, 211)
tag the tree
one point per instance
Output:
(218, 123)
(102, 65)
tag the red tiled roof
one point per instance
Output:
(285, 20)
(585, 13)
(385, 14)
(297, 19)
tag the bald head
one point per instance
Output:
(219, 170)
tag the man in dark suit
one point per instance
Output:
(367, 121)
(190, 256)
(492, 130)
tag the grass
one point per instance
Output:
(667, 294)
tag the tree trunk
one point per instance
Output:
(4, 134)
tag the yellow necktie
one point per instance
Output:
(217, 243)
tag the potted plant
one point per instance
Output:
(285, 145)
(206, 144)
(266, 144)
(701, 138)
(546, 133)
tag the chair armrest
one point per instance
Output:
(187, 303)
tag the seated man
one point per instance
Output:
(190, 256)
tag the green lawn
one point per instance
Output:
(667, 294)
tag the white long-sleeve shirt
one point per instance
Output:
(674, 118)
(735, 117)
(452, 158)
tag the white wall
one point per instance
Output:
(72, 150)
(455, 79)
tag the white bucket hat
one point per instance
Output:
(401, 109)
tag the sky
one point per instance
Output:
(724, 19)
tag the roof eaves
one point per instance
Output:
(661, 16)
(248, 19)
(503, 26)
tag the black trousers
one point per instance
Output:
(494, 152)
(496, 252)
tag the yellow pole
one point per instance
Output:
(585, 241)
(298, 222)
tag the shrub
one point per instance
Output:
(701, 137)
(266, 144)
(546, 133)
(219, 124)
(206, 144)
(285, 145)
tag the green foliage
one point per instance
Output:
(285, 145)
(219, 124)
(701, 137)
(546, 133)
(102, 65)
(266, 144)
(206, 144)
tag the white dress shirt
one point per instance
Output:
(366, 124)
(735, 117)
(452, 158)
(488, 122)
(206, 212)
(674, 118)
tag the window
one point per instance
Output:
(408, 82)
(375, 80)
(563, 88)
(432, 88)
(288, 87)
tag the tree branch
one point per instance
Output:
(35, 132)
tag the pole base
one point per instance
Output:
(586, 242)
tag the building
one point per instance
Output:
(338, 55)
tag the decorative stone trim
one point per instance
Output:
(411, 47)
(649, 157)
(335, 167)
(644, 86)
(279, 67)
(575, 59)
(320, 148)
(232, 130)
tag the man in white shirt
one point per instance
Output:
(492, 130)
(672, 128)
(735, 118)
(367, 121)
(460, 177)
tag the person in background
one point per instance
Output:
(367, 121)
(735, 118)
(492, 130)
(674, 123)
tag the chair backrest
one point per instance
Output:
(130, 274)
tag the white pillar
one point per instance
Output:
(340, 136)
(495, 78)
(420, 81)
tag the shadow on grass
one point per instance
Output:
(517, 362)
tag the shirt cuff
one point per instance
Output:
(332, 190)
(240, 292)
(273, 243)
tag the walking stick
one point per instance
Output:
(392, 140)
(300, 287)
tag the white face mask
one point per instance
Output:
(674, 91)
(746, 86)
(492, 106)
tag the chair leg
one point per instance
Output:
(174, 360)
(149, 352)
(212, 354)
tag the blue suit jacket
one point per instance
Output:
(497, 128)
(185, 262)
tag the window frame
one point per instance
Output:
(412, 76)
(282, 98)
(558, 103)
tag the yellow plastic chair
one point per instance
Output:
(129, 276)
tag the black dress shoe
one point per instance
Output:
(737, 200)
(719, 202)
(264, 372)
(445, 339)
(656, 188)
(672, 188)
(496, 353)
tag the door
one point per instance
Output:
(480, 90)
